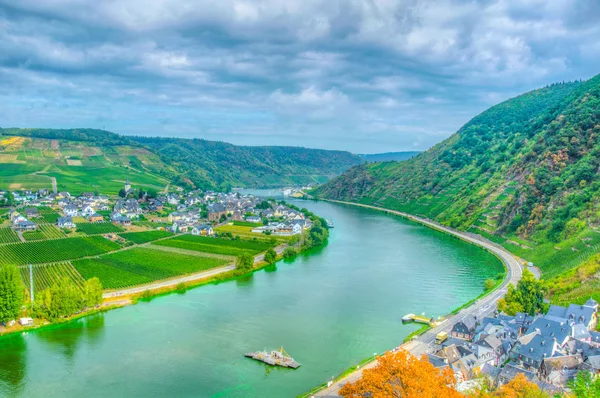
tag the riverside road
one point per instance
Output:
(480, 308)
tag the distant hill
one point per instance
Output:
(524, 173)
(389, 156)
(88, 159)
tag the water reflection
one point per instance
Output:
(65, 339)
(13, 366)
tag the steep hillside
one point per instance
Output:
(389, 156)
(27, 162)
(523, 173)
(88, 159)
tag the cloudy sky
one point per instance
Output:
(360, 75)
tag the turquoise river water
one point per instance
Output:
(330, 308)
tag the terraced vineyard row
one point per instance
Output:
(226, 247)
(7, 235)
(44, 276)
(44, 231)
(98, 228)
(143, 237)
(48, 251)
(139, 265)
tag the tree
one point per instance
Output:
(152, 193)
(245, 262)
(122, 192)
(527, 297)
(92, 292)
(489, 284)
(60, 300)
(585, 385)
(270, 256)
(398, 374)
(223, 218)
(11, 293)
(289, 252)
(519, 387)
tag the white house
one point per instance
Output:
(202, 230)
(70, 210)
(88, 210)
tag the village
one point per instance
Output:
(548, 350)
(195, 212)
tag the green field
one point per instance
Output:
(143, 237)
(48, 251)
(8, 235)
(138, 266)
(215, 245)
(98, 228)
(44, 276)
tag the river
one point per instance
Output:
(330, 308)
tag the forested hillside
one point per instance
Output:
(523, 173)
(84, 159)
(216, 164)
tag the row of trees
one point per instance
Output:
(64, 298)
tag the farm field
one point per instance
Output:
(215, 245)
(44, 276)
(8, 235)
(98, 228)
(138, 266)
(144, 237)
(47, 251)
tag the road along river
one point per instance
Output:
(329, 308)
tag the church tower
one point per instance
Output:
(127, 185)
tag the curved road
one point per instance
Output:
(483, 307)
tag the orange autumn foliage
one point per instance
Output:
(519, 387)
(402, 375)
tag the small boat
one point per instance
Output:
(329, 224)
(274, 358)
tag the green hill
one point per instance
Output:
(89, 159)
(523, 173)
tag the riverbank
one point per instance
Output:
(125, 297)
(482, 306)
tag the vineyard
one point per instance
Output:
(138, 266)
(143, 237)
(44, 231)
(98, 228)
(44, 276)
(48, 251)
(7, 235)
(48, 215)
(217, 246)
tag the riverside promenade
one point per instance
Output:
(480, 308)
